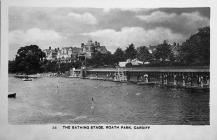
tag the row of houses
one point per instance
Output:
(87, 49)
(71, 53)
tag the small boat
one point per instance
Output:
(93, 78)
(73, 77)
(12, 95)
(27, 79)
(119, 81)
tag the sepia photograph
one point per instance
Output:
(132, 66)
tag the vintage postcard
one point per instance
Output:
(139, 69)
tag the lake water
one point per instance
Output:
(66, 100)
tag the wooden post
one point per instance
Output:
(183, 80)
(165, 79)
(198, 79)
(201, 81)
(207, 80)
(174, 79)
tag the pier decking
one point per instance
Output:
(192, 77)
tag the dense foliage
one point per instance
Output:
(29, 59)
(163, 52)
(99, 59)
(196, 49)
(130, 52)
(143, 54)
(118, 55)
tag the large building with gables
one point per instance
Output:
(90, 47)
(72, 53)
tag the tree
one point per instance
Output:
(163, 52)
(143, 54)
(100, 59)
(196, 49)
(29, 59)
(108, 58)
(118, 55)
(130, 52)
(11, 66)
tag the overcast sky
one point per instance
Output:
(61, 27)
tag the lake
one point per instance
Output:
(81, 101)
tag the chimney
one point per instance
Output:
(82, 45)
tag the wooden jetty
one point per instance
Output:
(192, 77)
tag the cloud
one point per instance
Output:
(33, 35)
(157, 16)
(136, 10)
(184, 20)
(137, 35)
(86, 18)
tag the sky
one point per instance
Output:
(113, 28)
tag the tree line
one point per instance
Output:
(194, 51)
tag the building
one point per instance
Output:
(65, 54)
(134, 62)
(68, 53)
(90, 47)
(151, 49)
(50, 54)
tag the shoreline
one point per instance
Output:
(169, 85)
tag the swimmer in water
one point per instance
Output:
(57, 90)
(92, 105)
